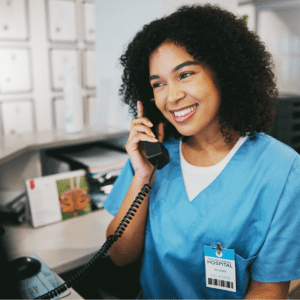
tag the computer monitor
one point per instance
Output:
(8, 288)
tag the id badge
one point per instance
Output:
(220, 268)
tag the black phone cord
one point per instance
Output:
(105, 247)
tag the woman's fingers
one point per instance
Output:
(142, 128)
(140, 109)
(145, 121)
(143, 137)
(140, 121)
(161, 132)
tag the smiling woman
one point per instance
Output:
(221, 219)
(187, 96)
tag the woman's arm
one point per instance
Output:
(130, 246)
(266, 290)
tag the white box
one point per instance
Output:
(58, 197)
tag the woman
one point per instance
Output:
(228, 186)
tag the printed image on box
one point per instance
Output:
(57, 197)
(73, 197)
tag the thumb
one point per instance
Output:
(161, 132)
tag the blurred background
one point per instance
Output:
(40, 39)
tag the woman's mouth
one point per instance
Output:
(183, 115)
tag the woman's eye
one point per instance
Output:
(155, 85)
(185, 75)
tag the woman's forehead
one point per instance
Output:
(168, 55)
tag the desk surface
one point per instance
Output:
(15, 145)
(62, 246)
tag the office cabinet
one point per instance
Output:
(14, 20)
(15, 71)
(89, 69)
(62, 61)
(62, 21)
(89, 21)
(17, 116)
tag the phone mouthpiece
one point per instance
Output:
(157, 154)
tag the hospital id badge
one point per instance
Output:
(220, 268)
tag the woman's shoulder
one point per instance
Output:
(273, 144)
(273, 150)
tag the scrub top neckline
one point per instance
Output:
(217, 179)
(210, 169)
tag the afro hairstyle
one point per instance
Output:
(239, 60)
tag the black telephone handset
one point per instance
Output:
(156, 152)
(158, 156)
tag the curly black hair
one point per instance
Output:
(237, 57)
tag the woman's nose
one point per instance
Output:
(175, 92)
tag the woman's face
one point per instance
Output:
(185, 88)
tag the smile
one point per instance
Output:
(182, 116)
(184, 112)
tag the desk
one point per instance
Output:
(65, 245)
(14, 146)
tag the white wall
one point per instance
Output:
(169, 6)
(117, 23)
(248, 9)
(280, 30)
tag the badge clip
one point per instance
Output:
(219, 247)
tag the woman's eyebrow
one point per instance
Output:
(186, 63)
(153, 77)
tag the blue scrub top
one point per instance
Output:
(253, 207)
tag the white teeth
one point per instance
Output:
(184, 112)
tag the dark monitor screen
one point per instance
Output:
(8, 289)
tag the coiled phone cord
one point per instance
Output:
(105, 247)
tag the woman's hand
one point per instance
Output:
(140, 131)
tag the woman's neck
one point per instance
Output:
(211, 143)
(207, 153)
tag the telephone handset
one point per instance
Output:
(156, 152)
(158, 156)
